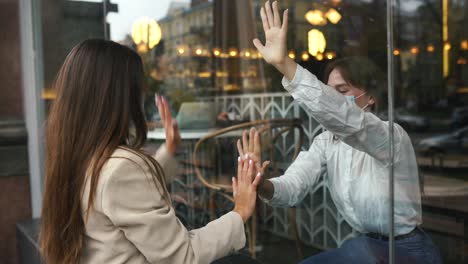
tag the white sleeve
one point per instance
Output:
(357, 128)
(300, 177)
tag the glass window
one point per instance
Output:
(205, 63)
(430, 103)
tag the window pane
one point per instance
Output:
(200, 55)
(430, 103)
(65, 23)
(206, 60)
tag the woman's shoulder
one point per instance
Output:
(124, 155)
(125, 160)
(127, 167)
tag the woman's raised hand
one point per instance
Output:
(170, 125)
(274, 50)
(249, 148)
(245, 188)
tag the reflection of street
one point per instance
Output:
(437, 184)
(445, 161)
(436, 161)
(416, 137)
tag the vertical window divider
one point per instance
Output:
(390, 89)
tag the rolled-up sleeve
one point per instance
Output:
(133, 202)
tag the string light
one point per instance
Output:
(430, 48)
(414, 50)
(319, 56)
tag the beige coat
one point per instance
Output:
(131, 222)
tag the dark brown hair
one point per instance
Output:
(99, 97)
(361, 73)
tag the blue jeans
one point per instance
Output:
(415, 249)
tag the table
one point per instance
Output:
(190, 134)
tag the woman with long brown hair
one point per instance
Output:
(106, 200)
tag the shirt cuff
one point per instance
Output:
(291, 85)
(276, 194)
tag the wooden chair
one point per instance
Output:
(220, 183)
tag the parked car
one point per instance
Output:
(450, 143)
(459, 117)
(409, 121)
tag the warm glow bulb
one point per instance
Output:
(305, 56)
(146, 30)
(316, 18)
(292, 55)
(447, 46)
(333, 15)
(316, 41)
(396, 52)
(464, 45)
(414, 50)
(319, 57)
(216, 52)
(430, 48)
(181, 51)
(198, 51)
(330, 55)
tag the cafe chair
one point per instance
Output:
(220, 146)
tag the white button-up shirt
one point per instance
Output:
(355, 163)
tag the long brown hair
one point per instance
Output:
(99, 97)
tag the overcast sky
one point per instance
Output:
(130, 10)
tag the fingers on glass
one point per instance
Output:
(284, 26)
(239, 149)
(269, 14)
(257, 179)
(245, 142)
(240, 165)
(245, 168)
(160, 106)
(257, 143)
(167, 112)
(156, 98)
(276, 15)
(234, 185)
(265, 166)
(251, 140)
(250, 171)
(264, 18)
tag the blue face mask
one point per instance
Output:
(353, 98)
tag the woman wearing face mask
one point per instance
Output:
(352, 155)
(105, 199)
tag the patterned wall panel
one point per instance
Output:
(319, 222)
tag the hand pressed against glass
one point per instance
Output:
(170, 125)
(245, 188)
(249, 148)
